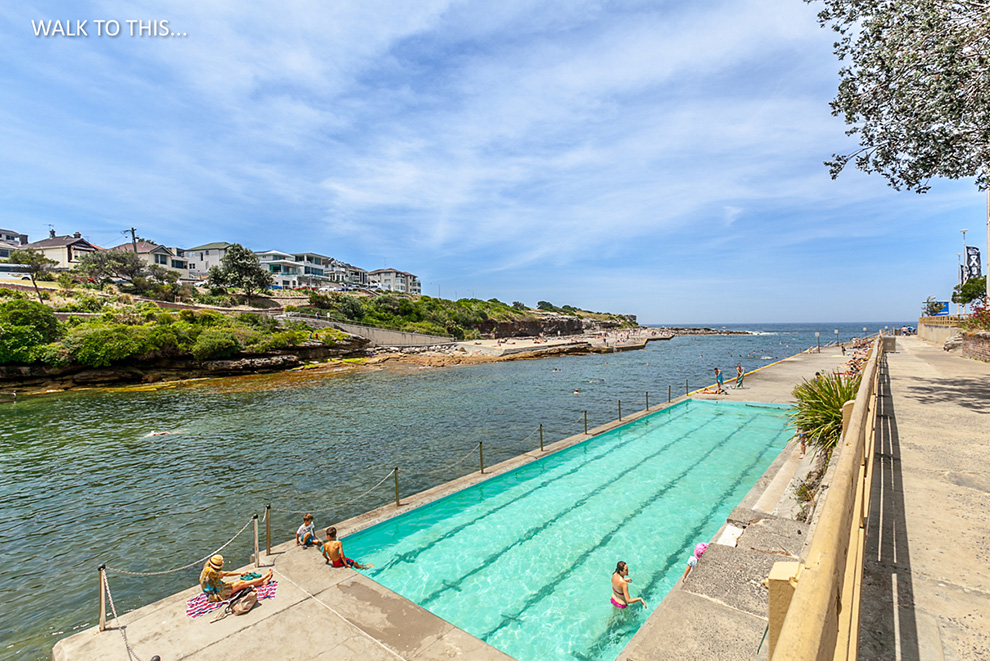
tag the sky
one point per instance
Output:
(663, 159)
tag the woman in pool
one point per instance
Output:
(620, 587)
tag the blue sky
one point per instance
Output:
(656, 158)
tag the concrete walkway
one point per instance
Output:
(926, 592)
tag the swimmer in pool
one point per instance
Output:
(620, 587)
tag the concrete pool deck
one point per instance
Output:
(320, 612)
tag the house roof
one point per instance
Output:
(218, 245)
(143, 247)
(396, 271)
(60, 242)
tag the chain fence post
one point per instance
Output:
(103, 598)
(257, 556)
(668, 393)
(395, 474)
(268, 529)
(620, 409)
(687, 390)
(585, 423)
(481, 455)
(647, 401)
(541, 437)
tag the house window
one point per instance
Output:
(161, 259)
(176, 264)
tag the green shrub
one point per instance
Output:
(215, 343)
(83, 304)
(818, 409)
(18, 343)
(21, 312)
(260, 321)
(11, 293)
(211, 318)
(54, 354)
(100, 347)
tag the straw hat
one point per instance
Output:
(216, 562)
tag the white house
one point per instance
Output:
(66, 250)
(395, 280)
(201, 258)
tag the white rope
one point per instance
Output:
(344, 619)
(338, 505)
(130, 653)
(449, 466)
(191, 564)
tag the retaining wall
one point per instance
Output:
(937, 331)
(392, 338)
(976, 346)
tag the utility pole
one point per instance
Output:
(134, 238)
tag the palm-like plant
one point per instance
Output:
(818, 409)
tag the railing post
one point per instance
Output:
(668, 394)
(687, 390)
(585, 423)
(268, 529)
(541, 437)
(647, 401)
(103, 599)
(620, 409)
(257, 556)
(481, 455)
(395, 474)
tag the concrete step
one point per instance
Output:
(788, 506)
(777, 490)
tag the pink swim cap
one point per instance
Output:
(699, 549)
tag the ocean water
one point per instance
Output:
(80, 468)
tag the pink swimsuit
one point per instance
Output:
(617, 604)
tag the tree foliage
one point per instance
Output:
(974, 289)
(104, 265)
(240, 268)
(914, 88)
(35, 263)
(930, 307)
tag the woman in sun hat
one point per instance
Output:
(216, 589)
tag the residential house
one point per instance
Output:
(10, 236)
(154, 254)
(6, 248)
(201, 258)
(286, 272)
(395, 280)
(65, 250)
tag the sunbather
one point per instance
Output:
(216, 589)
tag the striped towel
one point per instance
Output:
(199, 604)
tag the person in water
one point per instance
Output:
(620, 587)
(216, 589)
(693, 560)
(333, 551)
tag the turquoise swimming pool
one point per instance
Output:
(523, 561)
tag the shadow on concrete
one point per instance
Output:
(973, 394)
(888, 626)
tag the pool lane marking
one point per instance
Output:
(674, 557)
(438, 592)
(602, 453)
(549, 586)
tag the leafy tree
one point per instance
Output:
(914, 89)
(930, 307)
(241, 268)
(20, 312)
(973, 289)
(519, 305)
(546, 306)
(36, 263)
(104, 265)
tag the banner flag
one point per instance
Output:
(973, 269)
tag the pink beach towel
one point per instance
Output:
(199, 604)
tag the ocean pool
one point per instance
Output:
(523, 560)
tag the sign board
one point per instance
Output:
(944, 310)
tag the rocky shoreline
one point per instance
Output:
(162, 371)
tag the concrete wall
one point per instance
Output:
(936, 332)
(976, 346)
(391, 338)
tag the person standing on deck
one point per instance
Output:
(739, 376)
(719, 382)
